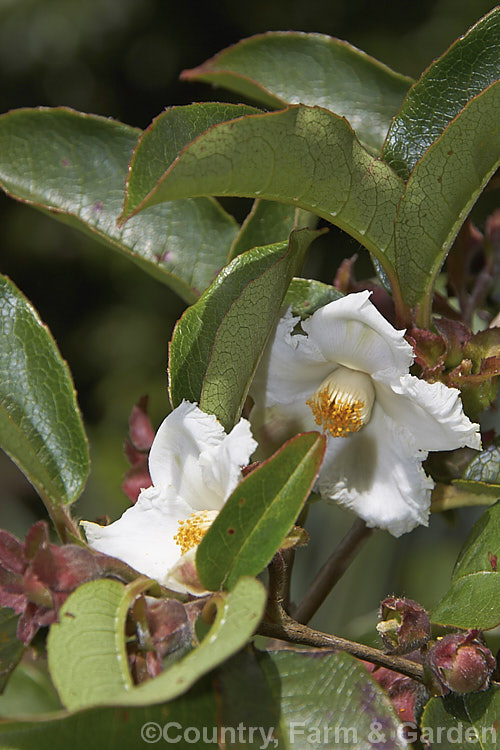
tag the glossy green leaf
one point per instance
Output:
(40, 424)
(269, 222)
(327, 72)
(259, 514)
(74, 166)
(303, 156)
(465, 70)
(86, 648)
(124, 728)
(305, 296)
(11, 649)
(462, 721)
(442, 189)
(329, 700)
(218, 342)
(473, 600)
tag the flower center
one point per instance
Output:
(343, 402)
(193, 529)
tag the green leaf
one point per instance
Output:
(473, 600)
(244, 699)
(74, 166)
(269, 222)
(217, 343)
(259, 514)
(470, 65)
(442, 189)
(40, 424)
(112, 728)
(304, 156)
(462, 721)
(481, 551)
(329, 700)
(11, 649)
(86, 648)
(327, 72)
(166, 137)
(305, 296)
(29, 692)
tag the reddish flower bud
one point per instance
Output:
(404, 625)
(460, 663)
(140, 428)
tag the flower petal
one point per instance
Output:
(291, 369)
(192, 455)
(377, 473)
(221, 466)
(432, 412)
(144, 536)
(350, 331)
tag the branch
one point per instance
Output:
(332, 570)
(294, 632)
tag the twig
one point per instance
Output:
(294, 632)
(332, 571)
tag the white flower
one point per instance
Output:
(349, 373)
(194, 467)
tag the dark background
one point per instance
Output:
(112, 322)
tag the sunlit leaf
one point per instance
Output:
(86, 648)
(327, 72)
(465, 70)
(259, 514)
(217, 343)
(303, 156)
(442, 189)
(40, 424)
(74, 167)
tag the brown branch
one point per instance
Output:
(294, 632)
(332, 570)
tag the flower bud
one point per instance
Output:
(404, 625)
(461, 663)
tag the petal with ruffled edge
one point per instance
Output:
(192, 455)
(377, 473)
(432, 412)
(350, 331)
(144, 536)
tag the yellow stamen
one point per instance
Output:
(343, 402)
(193, 529)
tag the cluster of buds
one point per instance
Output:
(458, 662)
(36, 577)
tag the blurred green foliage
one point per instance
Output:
(112, 322)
